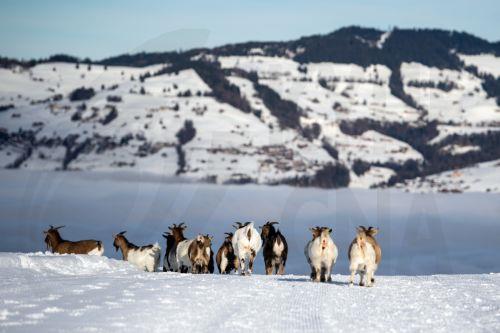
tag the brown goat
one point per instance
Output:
(57, 244)
(199, 254)
(227, 261)
(364, 256)
(275, 249)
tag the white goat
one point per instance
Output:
(364, 256)
(246, 243)
(182, 256)
(146, 258)
(321, 253)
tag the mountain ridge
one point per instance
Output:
(355, 107)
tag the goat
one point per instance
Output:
(211, 266)
(227, 261)
(174, 237)
(146, 258)
(167, 267)
(57, 244)
(321, 253)
(274, 250)
(193, 252)
(364, 256)
(200, 254)
(246, 243)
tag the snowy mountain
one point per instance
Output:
(357, 107)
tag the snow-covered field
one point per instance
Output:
(90, 294)
(483, 177)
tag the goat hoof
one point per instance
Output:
(351, 284)
(361, 284)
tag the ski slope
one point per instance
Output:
(48, 293)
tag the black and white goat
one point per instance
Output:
(321, 253)
(57, 244)
(173, 237)
(227, 261)
(274, 249)
(246, 243)
(146, 258)
(364, 256)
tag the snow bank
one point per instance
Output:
(49, 264)
(128, 301)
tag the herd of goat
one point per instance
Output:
(237, 252)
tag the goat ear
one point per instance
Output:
(330, 230)
(312, 230)
(373, 231)
(360, 229)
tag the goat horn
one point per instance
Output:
(62, 226)
(122, 233)
(180, 224)
(274, 222)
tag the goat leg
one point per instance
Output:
(281, 269)
(242, 266)
(351, 278)
(362, 278)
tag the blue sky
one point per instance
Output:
(99, 28)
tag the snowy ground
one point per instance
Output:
(89, 294)
(482, 177)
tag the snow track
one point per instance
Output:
(101, 294)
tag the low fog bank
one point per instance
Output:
(419, 233)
